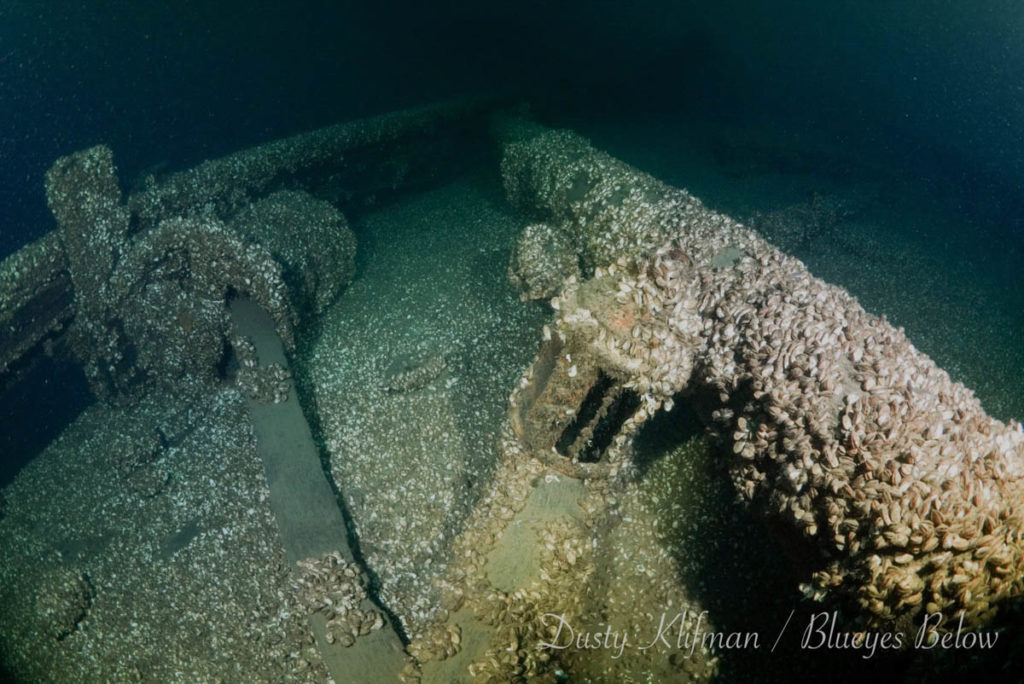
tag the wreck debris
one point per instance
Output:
(62, 600)
(312, 528)
(268, 385)
(287, 223)
(150, 302)
(150, 310)
(542, 259)
(84, 197)
(36, 302)
(408, 373)
(346, 155)
(835, 423)
(170, 292)
(337, 589)
(39, 296)
(137, 452)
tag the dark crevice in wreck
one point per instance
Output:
(40, 404)
(303, 385)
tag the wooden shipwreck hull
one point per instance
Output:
(904, 496)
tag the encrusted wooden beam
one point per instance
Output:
(893, 476)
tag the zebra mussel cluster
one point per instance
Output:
(835, 422)
(844, 429)
(909, 492)
(336, 588)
